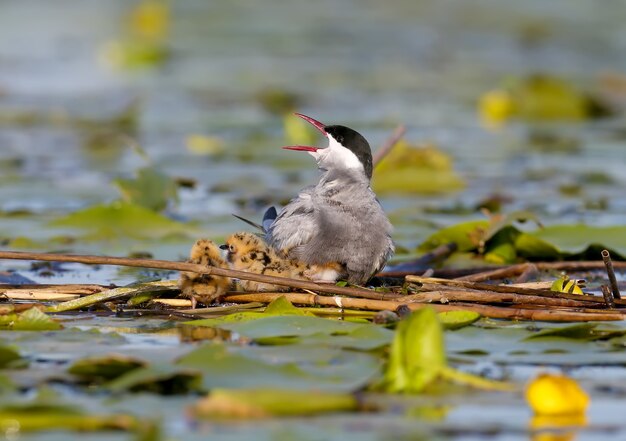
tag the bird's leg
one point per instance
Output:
(326, 273)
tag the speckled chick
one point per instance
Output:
(204, 288)
(248, 252)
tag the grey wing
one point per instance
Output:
(295, 224)
(358, 235)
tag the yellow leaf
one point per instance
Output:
(411, 169)
(564, 284)
(150, 19)
(202, 145)
(553, 395)
(496, 106)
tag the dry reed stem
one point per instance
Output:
(200, 269)
(430, 283)
(380, 305)
(493, 297)
(389, 144)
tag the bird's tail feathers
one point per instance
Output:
(268, 218)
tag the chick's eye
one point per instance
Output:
(231, 248)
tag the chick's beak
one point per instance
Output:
(315, 123)
(223, 247)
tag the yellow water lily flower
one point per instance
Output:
(550, 394)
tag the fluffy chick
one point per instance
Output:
(204, 288)
(247, 252)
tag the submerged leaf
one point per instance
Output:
(262, 403)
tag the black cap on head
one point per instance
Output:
(355, 142)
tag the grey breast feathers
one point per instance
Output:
(354, 231)
(295, 224)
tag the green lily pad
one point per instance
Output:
(408, 169)
(35, 320)
(151, 189)
(457, 319)
(122, 220)
(289, 326)
(577, 238)
(103, 368)
(298, 367)
(260, 403)
(463, 235)
(163, 379)
(8, 356)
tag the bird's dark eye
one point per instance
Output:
(231, 248)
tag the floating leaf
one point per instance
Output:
(289, 326)
(279, 306)
(581, 331)
(408, 169)
(162, 379)
(29, 417)
(151, 189)
(550, 394)
(102, 368)
(463, 235)
(8, 356)
(34, 320)
(121, 220)
(263, 403)
(539, 98)
(202, 145)
(457, 319)
(295, 367)
(150, 20)
(364, 338)
(574, 239)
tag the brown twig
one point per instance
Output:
(422, 263)
(429, 283)
(517, 269)
(530, 272)
(496, 274)
(381, 305)
(608, 297)
(608, 263)
(494, 297)
(389, 144)
(201, 269)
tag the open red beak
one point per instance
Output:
(315, 123)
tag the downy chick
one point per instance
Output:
(248, 252)
(204, 288)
